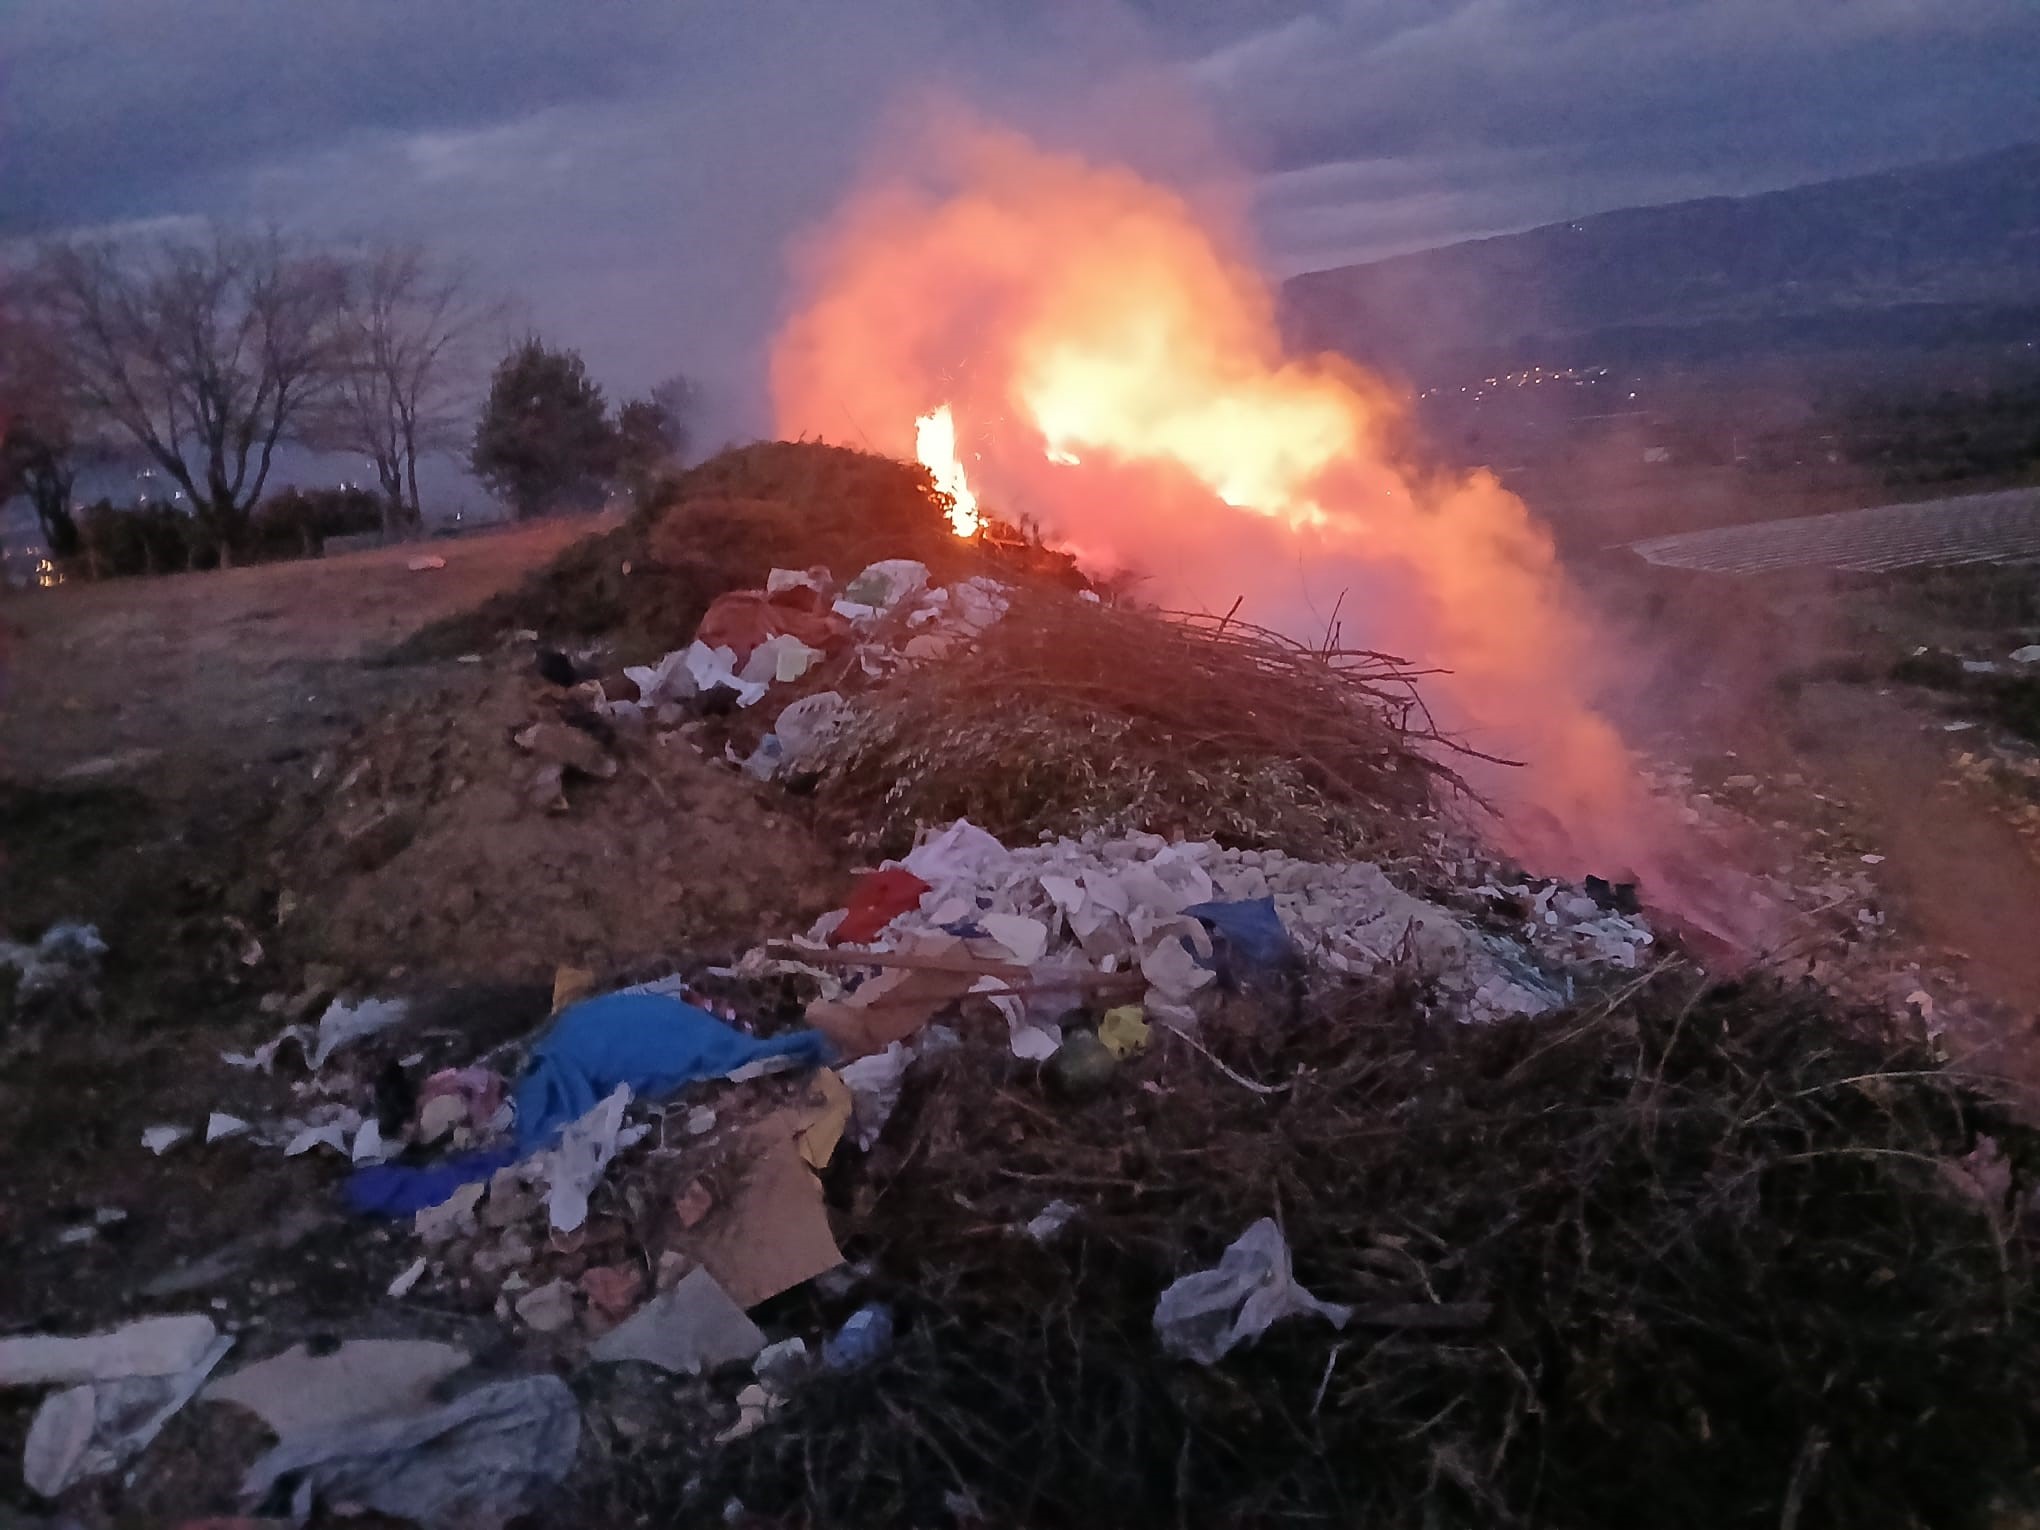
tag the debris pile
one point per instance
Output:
(1186, 1121)
(1043, 929)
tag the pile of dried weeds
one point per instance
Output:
(1697, 1257)
(1070, 715)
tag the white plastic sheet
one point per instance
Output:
(1203, 1316)
(471, 1464)
(576, 1166)
(121, 1388)
(344, 1024)
(690, 1329)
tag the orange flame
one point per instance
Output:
(935, 447)
(1126, 382)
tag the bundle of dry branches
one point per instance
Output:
(1070, 715)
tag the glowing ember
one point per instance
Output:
(935, 446)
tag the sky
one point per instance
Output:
(631, 172)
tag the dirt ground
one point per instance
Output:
(1777, 697)
(144, 677)
(174, 754)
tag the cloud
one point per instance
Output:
(1521, 111)
(636, 169)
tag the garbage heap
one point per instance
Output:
(1113, 1159)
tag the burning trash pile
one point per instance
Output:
(1249, 1104)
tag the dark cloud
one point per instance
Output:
(634, 169)
(113, 107)
(1479, 115)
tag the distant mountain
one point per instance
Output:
(1930, 254)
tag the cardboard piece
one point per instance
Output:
(901, 999)
(833, 1105)
(774, 1232)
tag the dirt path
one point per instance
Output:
(143, 679)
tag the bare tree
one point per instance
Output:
(412, 330)
(38, 435)
(207, 353)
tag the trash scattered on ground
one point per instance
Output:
(62, 964)
(425, 563)
(120, 1388)
(1204, 1316)
(160, 1139)
(298, 1392)
(640, 1179)
(1042, 929)
(692, 1328)
(475, 1462)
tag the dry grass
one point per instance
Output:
(1069, 715)
(1704, 1258)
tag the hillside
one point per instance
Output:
(1917, 258)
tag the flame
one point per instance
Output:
(935, 448)
(1125, 380)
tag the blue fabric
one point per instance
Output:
(652, 1042)
(1251, 930)
(392, 1190)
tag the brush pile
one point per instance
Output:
(720, 526)
(1683, 1259)
(1070, 715)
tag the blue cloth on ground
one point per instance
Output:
(393, 1190)
(1252, 933)
(652, 1042)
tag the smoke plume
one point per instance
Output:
(1115, 369)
